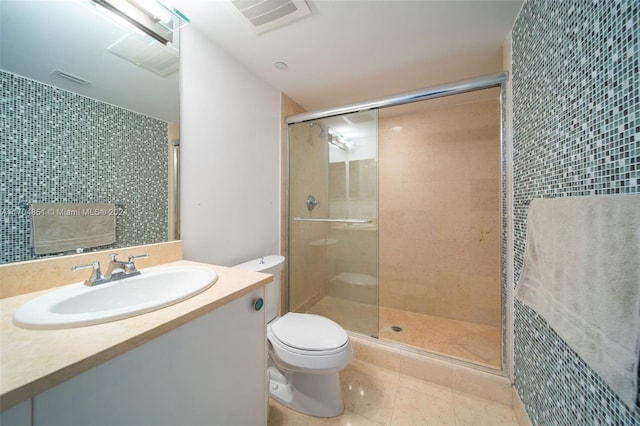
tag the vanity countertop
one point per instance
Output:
(32, 361)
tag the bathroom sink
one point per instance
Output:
(76, 305)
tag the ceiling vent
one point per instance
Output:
(266, 15)
(155, 57)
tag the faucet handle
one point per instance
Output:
(139, 256)
(113, 256)
(95, 265)
(96, 275)
(130, 266)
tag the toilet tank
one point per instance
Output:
(272, 264)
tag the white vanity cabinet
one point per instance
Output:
(18, 415)
(210, 371)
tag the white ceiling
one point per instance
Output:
(346, 51)
(353, 50)
(38, 37)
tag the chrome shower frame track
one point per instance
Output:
(462, 86)
(506, 201)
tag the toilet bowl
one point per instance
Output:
(306, 351)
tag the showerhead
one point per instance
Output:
(323, 131)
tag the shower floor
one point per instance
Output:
(476, 343)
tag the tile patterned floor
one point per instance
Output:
(477, 343)
(467, 341)
(375, 396)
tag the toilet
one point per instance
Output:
(306, 351)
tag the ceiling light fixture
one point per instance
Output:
(339, 141)
(281, 66)
(151, 17)
(71, 77)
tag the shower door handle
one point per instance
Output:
(327, 219)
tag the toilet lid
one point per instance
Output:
(309, 332)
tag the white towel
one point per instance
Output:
(59, 227)
(582, 274)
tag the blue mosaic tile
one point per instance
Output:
(58, 146)
(576, 106)
(504, 279)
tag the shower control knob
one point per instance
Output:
(258, 303)
(312, 202)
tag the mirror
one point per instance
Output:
(81, 124)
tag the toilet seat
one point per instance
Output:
(288, 342)
(309, 333)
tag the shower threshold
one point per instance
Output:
(465, 341)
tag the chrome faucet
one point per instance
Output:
(118, 270)
(96, 276)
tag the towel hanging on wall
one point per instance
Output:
(582, 274)
(59, 227)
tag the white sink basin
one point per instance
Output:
(76, 305)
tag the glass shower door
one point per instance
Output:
(333, 219)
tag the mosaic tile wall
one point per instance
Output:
(576, 106)
(57, 146)
(504, 279)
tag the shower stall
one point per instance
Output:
(396, 219)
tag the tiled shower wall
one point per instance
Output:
(57, 146)
(307, 248)
(576, 109)
(440, 211)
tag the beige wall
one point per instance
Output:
(308, 176)
(439, 234)
(355, 248)
(287, 108)
(50, 272)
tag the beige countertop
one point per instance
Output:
(32, 361)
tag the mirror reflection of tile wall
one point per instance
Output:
(57, 146)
